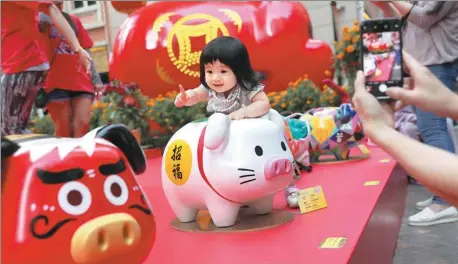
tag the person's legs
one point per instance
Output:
(434, 132)
(81, 112)
(60, 111)
(18, 95)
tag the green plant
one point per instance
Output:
(40, 124)
(301, 96)
(126, 105)
(171, 118)
(347, 58)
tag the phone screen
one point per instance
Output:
(382, 55)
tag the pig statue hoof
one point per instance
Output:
(220, 165)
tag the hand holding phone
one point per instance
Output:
(381, 55)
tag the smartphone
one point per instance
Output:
(381, 55)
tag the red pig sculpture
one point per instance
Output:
(76, 200)
(159, 45)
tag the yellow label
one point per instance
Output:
(371, 183)
(311, 199)
(178, 162)
(364, 149)
(333, 242)
(385, 161)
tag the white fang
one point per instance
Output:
(39, 148)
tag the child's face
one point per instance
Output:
(219, 77)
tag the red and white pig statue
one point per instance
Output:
(221, 165)
(75, 200)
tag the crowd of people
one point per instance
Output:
(48, 60)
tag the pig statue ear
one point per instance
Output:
(275, 117)
(121, 137)
(8, 148)
(217, 131)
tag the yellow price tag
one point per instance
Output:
(311, 199)
(333, 242)
(371, 183)
(364, 149)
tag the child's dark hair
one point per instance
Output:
(233, 53)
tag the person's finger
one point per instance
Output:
(398, 93)
(398, 105)
(360, 85)
(182, 91)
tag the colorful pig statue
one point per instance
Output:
(298, 136)
(221, 165)
(75, 200)
(334, 130)
(159, 46)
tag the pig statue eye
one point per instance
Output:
(258, 150)
(74, 198)
(116, 190)
(283, 146)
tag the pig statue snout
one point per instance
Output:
(277, 167)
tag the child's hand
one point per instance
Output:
(237, 115)
(182, 98)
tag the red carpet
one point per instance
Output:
(386, 68)
(350, 206)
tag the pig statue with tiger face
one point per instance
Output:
(75, 200)
(221, 165)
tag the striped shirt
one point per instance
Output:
(431, 35)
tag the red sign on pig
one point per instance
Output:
(159, 46)
(75, 201)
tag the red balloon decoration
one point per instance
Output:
(159, 46)
(127, 7)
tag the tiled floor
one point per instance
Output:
(425, 245)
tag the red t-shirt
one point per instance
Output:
(65, 70)
(20, 47)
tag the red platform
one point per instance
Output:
(368, 216)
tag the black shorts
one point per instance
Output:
(60, 94)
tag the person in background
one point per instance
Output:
(434, 168)
(431, 36)
(24, 63)
(70, 91)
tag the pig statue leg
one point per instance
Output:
(184, 214)
(222, 212)
(263, 206)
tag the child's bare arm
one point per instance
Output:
(260, 106)
(191, 96)
(201, 94)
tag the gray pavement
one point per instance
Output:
(425, 245)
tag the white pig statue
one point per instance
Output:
(221, 165)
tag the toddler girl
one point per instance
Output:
(228, 82)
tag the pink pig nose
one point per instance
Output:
(277, 167)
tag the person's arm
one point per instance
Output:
(64, 28)
(197, 95)
(259, 106)
(433, 167)
(388, 9)
(426, 16)
(95, 77)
